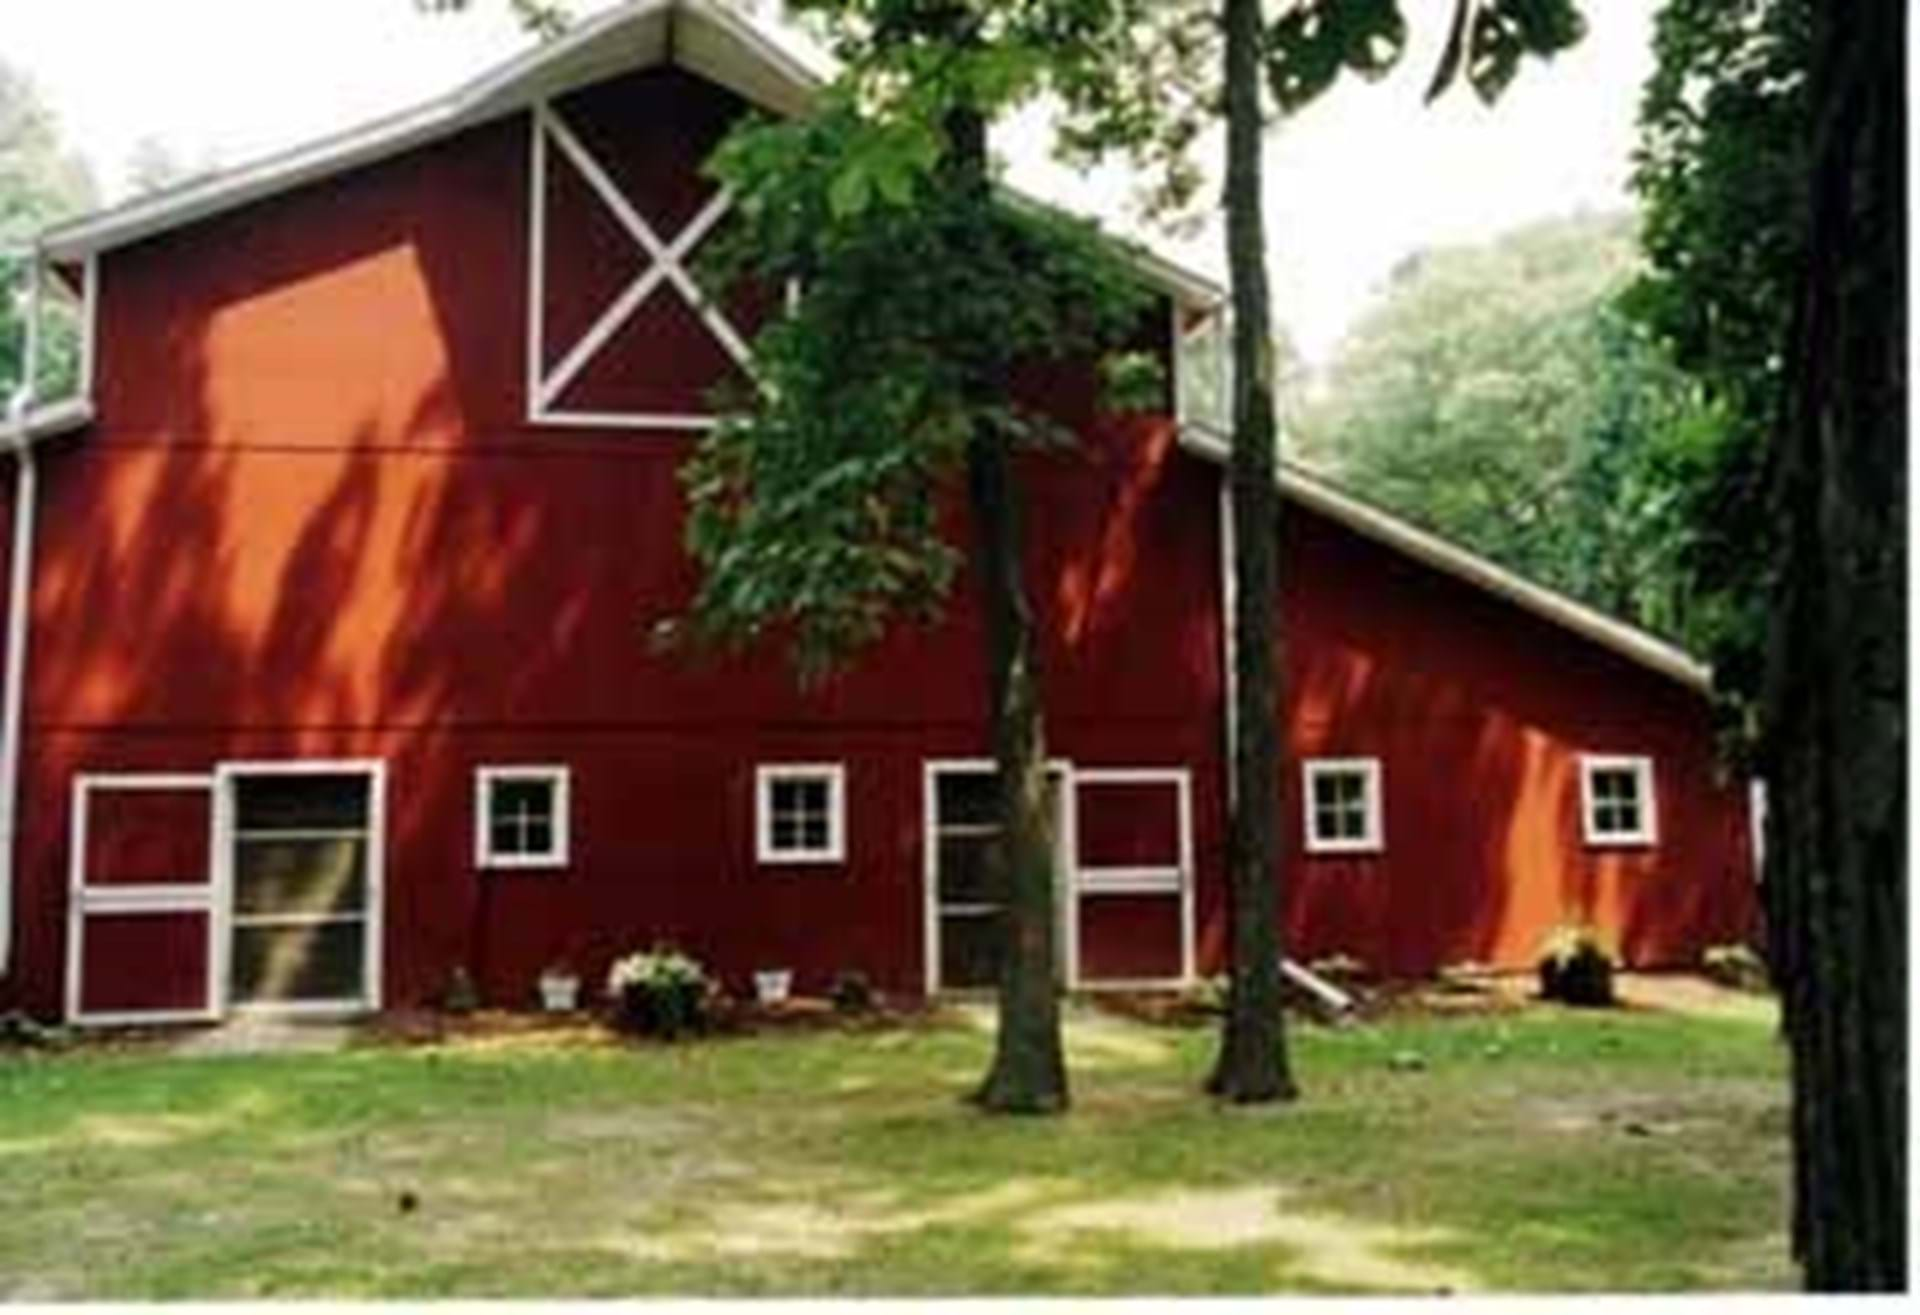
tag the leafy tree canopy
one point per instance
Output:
(39, 183)
(1498, 394)
(1721, 171)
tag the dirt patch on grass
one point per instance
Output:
(1329, 1249)
(1632, 1114)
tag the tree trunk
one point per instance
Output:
(1252, 1065)
(1029, 1072)
(1835, 699)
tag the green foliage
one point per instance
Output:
(1577, 965)
(816, 506)
(546, 19)
(1721, 170)
(39, 183)
(1498, 395)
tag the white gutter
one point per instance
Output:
(19, 586)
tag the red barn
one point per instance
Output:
(327, 665)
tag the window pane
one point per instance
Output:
(967, 799)
(291, 803)
(299, 963)
(528, 799)
(299, 876)
(970, 950)
(813, 832)
(970, 870)
(536, 837)
(1204, 365)
(504, 837)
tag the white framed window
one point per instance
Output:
(1616, 799)
(1342, 798)
(520, 817)
(801, 812)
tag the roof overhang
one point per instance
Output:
(705, 38)
(1302, 486)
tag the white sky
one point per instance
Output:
(1359, 180)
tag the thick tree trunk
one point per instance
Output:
(1835, 702)
(1252, 1064)
(1029, 1072)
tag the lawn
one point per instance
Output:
(1543, 1150)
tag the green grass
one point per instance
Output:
(1539, 1151)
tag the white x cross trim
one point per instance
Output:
(667, 264)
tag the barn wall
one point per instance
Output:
(1479, 712)
(312, 521)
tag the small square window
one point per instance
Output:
(520, 817)
(801, 811)
(1343, 806)
(1616, 800)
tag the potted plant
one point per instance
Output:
(659, 992)
(1576, 966)
(559, 988)
(771, 986)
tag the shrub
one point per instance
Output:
(660, 992)
(851, 992)
(1576, 967)
(1736, 966)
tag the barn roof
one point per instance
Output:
(703, 37)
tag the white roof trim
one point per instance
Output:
(705, 38)
(1313, 492)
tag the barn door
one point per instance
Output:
(966, 899)
(302, 855)
(1132, 906)
(143, 917)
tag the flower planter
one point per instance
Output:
(772, 986)
(663, 1011)
(559, 993)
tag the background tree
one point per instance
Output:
(39, 183)
(1721, 171)
(1499, 394)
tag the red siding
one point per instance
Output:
(1479, 712)
(312, 521)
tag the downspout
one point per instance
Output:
(19, 585)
